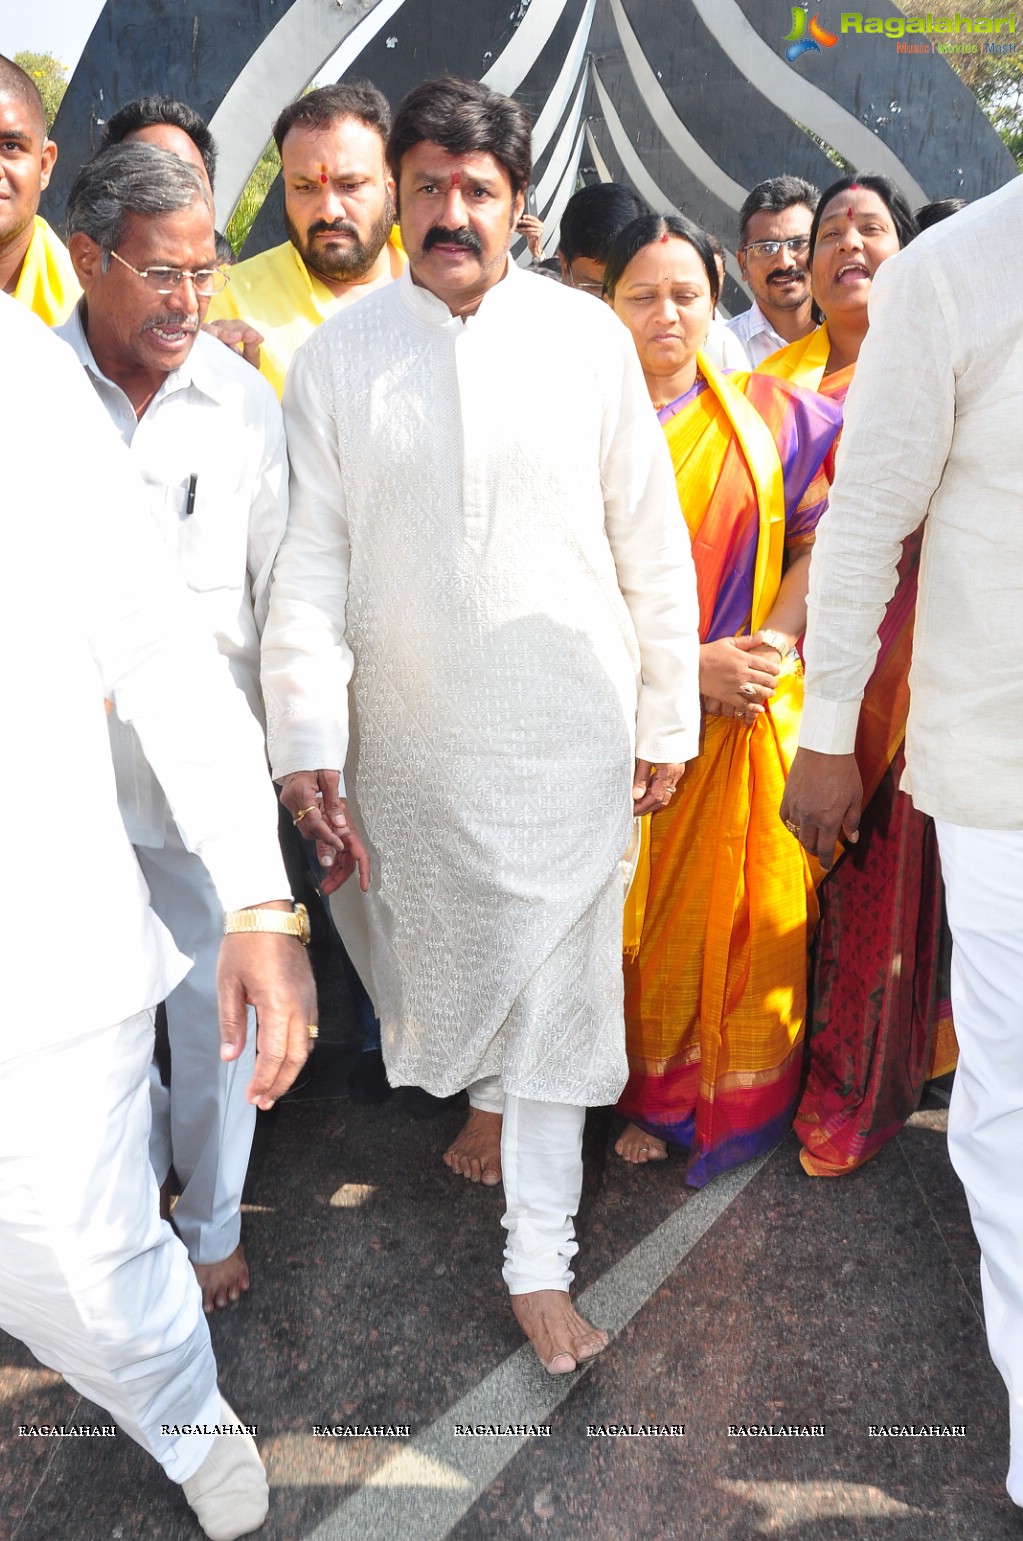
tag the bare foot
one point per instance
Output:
(476, 1153)
(635, 1145)
(561, 1337)
(223, 1283)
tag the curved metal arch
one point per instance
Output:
(684, 127)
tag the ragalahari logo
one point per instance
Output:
(799, 43)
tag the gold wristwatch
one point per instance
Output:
(296, 924)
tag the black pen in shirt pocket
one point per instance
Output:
(190, 500)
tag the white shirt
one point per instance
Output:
(933, 431)
(91, 611)
(215, 426)
(756, 334)
(725, 351)
(216, 420)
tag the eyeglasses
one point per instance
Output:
(796, 244)
(205, 281)
(587, 285)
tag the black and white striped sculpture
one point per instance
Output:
(692, 101)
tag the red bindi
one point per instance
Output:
(323, 175)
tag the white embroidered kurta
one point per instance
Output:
(484, 522)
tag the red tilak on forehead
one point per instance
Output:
(456, 179)
(323, 175)
(851, 211)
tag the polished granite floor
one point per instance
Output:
(769, 1299)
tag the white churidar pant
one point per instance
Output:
(91, 1279)
(542, 1164)
(206, 1123)
(983, 871)
(486, 1094)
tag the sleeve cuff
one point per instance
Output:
(243, 873)
(829, 727)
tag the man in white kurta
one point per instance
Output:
(932, 433)
(91, 1279)
(485, 527)
(207, 435)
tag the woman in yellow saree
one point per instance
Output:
(715, 995)
(881, 1018)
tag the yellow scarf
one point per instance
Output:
(47, 284)
(802, 362)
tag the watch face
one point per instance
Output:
(304, 929)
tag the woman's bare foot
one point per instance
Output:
(635, 1145)
(561, 1337)
(476, 1153)
(223, 1283)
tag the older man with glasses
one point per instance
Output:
(207, 434)
(774, 249)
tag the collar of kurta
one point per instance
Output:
(432, 311)
(194, 372)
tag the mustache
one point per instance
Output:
(175, 321)
(438, 235)
(337, 226)
(785, 273)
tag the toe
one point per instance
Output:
(561, 1364)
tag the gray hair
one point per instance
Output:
(129, 179)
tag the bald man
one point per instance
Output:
(34, 265)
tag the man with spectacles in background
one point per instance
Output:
(207, 435)
(592, 218)
(774, 249)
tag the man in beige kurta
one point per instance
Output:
(932, 435)
(485, 529)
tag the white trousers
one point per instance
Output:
(542, 1163)
(91, 1279)
(486, 1094)
(204, 1125)
(983, 872)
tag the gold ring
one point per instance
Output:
(313, 1031)
(792, 827)
(301, 815)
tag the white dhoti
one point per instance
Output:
(204, 1126)
(91, 1279)
(983, 872)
